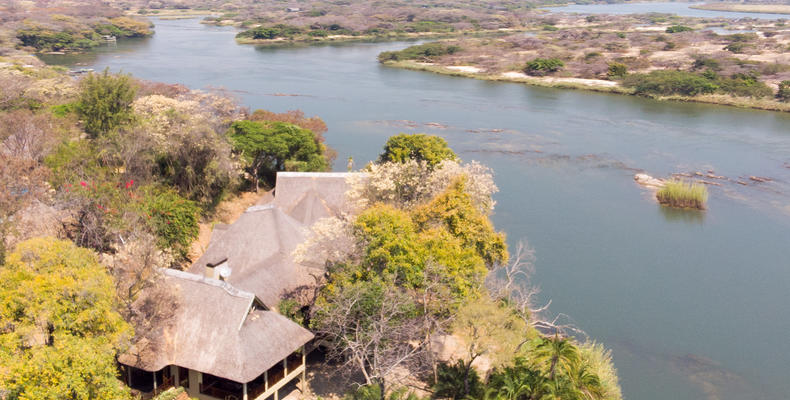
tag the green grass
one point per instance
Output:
(678, 193)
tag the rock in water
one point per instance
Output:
(648, 181)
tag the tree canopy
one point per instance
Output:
(61, 328)
(421, 147)
(276, 146)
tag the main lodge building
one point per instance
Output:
(225, 340)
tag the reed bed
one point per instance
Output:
(682, 194)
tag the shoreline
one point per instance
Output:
(390, 37)
(779, 9)
(587, 84)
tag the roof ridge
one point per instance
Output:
(264, 207)
(227, 287)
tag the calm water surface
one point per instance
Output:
(679, 8)
(694, 305)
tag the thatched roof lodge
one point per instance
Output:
(225, 339)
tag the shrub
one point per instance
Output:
(669, 83)
(745, 85)
(784, 91)
(292, 310)
(105, 101)
(543, 66)
(737, 47)
(617, 70)
(705, 62)
(677, 193)
(456, 381)
(425, 52)
(173, 219)
(678, 29)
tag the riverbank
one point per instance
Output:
(386, 37)
(747, 8)
(595, 85)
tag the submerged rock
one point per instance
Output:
(648, 181)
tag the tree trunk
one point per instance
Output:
(255, 178)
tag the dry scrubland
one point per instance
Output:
(619, 53)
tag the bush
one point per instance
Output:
(737, 47)
(668, 83)
(617, 70)
(173, 219)
(704, 62)
(745, 85)
(678, 29)
(424, 52)
(543, 66)
(271, 32)
(784, 91)
(105, 101)
(457, 382)
(677, 193)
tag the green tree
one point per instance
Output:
(557, 355)
(783, 93)
(276, 146)
(543, 66)
(61, 328)
(105, 101)
(421, 147)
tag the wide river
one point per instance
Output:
(694, 305)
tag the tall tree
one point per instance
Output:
(61, 330)
(276, 146)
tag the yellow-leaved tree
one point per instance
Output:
(59, 326)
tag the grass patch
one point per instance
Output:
(682, 194)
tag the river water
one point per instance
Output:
(679, 8)
(694, 305)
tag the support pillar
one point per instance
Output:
(245, 392)
(304, 371)
(154, 373)
(285, 367)
(265, 380)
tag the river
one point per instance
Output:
(678, 8)
(694, 305)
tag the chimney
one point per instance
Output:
(213, 270)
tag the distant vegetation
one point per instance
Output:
(543, 66)
(667, 83)
(76, 36)
(677, 193)
(678, 29)
(422, 52)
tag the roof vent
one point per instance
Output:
(215, 270)
(224, 270)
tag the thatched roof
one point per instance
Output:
(258, 248)
(220, 330)
(259, 245)
(310, 196)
